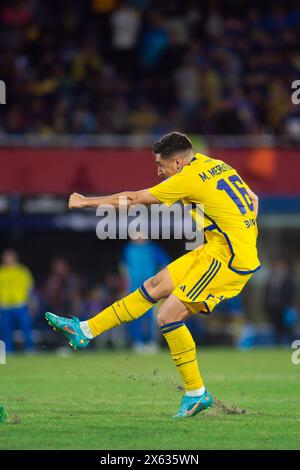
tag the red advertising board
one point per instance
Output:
(99, 171)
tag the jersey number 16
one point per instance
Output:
(237, 183)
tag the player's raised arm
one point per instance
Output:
(129, 198)
(254, 199)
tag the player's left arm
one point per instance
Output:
(126, 198)
(254, 199)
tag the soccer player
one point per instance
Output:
(197, 281)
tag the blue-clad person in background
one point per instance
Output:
(141, 259)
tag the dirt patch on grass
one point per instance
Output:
(15, 419)
(228, 409)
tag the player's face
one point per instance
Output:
(168, 167)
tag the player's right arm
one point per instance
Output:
(126, 198)
(169, 191)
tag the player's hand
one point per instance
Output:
(76, 201)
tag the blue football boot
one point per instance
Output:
(69, 327)
(190, 406)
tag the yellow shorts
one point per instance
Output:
(202, 281)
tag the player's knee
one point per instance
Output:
(165, 317)
(162, 319)
(172, 310)
(157, 287)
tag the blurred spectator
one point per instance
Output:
(144, 119)
(187, 80)
(140, 260)
(111, 290)
(292, 125)
(103, 6)
(126, 23)
(16, 283)
(280, 301)
(95, 302)
(62, 289)
(86, 61)
(154, 41)
(227, 119)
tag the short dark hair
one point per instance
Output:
(172, 143)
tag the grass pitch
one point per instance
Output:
(117, 400)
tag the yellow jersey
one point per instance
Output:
(15, 285)
(229, 220)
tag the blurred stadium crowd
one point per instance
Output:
(147, 66)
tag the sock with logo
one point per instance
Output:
(183, 351)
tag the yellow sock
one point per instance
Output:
(125, 310)
(183, 351)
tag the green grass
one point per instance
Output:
(119, 400)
